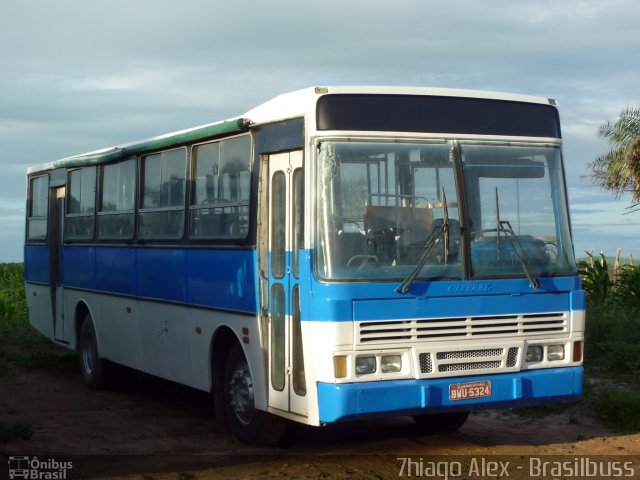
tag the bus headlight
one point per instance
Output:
(555, 353)
(534, 353)
(365, 365)
(391, 363)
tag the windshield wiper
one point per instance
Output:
(432, 241)
(513, 239)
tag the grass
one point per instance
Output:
(57, 361)
(612, 339)
(620, 408)
(15, 431)
(20, 345)
(542, 411)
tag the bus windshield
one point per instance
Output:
(379, 205)
(517, 208)
(382, 207)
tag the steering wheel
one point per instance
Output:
(363, 261)
(552, 251)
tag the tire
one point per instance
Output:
(441, 422)
(248, 424)
(98, 373)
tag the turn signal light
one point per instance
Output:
(577, 351)
(340, 366)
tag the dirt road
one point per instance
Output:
(151, 426)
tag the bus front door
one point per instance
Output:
(287, 388)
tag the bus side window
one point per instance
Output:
(116, 207)
(38, 207)
(81, 203)
(222, 178)
(163, 195)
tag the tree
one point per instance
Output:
(619, 169)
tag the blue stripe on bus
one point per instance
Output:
(379, 301)
(36, 263)
(418, 397)
(227, 279)
(578, 300)
(79, 268)
(460, 306)
(222, 279)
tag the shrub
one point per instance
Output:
(620, 408)
(627, 287)
(595, 279)
(22, 431)
(612, 337)
(13, 304)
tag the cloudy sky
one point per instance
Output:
(77, 75)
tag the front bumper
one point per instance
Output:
(350, 401)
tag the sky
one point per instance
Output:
(77, 75)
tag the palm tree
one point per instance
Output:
(619, 169)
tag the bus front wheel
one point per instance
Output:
(441, 422)
(247, 423)
(98, 373)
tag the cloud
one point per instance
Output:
(81, 75)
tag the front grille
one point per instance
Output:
(469, 354)
(465, 367)
(422, 330)
(425, 363)
(512, 357)
(434, 363)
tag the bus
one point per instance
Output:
(334, 254)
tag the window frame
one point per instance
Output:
(101, 214)
(141, 210)
(243, 205)
(78, 215)
(40, 218)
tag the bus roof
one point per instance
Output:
(298, 103)
(288, 105)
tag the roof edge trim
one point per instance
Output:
(156, 143)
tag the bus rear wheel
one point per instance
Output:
(246, 422)
(441, 422)
(98, 373)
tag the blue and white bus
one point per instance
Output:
(337, 253)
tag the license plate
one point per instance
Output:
(463, 391)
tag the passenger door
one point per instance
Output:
(287, 388)
(55, 231)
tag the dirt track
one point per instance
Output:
(152, 426)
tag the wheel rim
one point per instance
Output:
(88, 354)
(241, 396)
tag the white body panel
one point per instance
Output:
(163, 339)
(40, 310)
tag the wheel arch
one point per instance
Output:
(81, 311)
(222, 341)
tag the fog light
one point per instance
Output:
(391, 363)
(534, 353)
(555, 353)
(365, 365)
